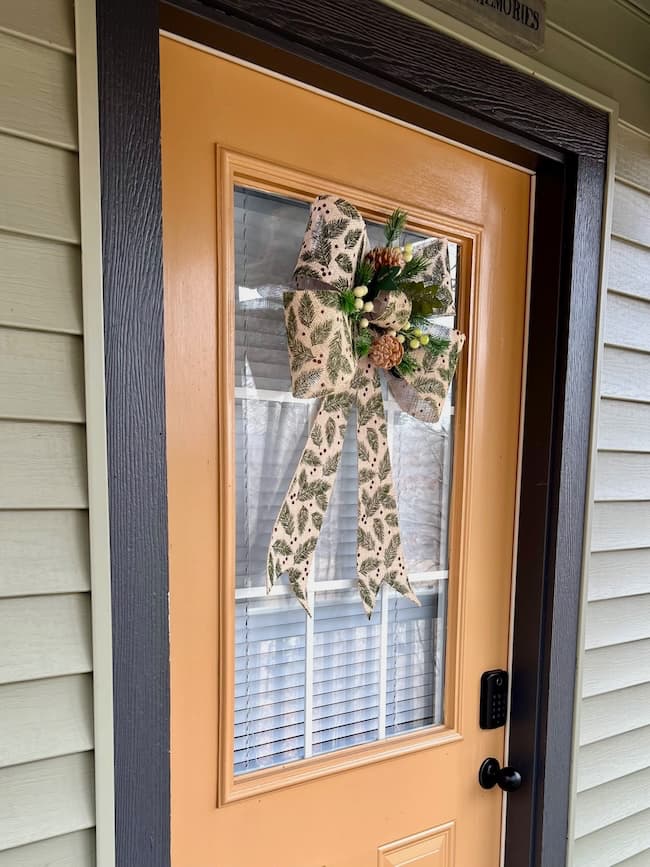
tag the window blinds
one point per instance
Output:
(308, 686)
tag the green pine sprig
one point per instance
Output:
(346, 300)
(394, 227)
(414, 268)
(437, 345)
(407, 365)
(417, 320)
(363, 342)
(364, 273)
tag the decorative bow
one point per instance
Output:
(337, 341)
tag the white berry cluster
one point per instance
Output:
(367, 306)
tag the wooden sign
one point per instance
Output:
(520, 24)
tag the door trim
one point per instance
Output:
(559, 137)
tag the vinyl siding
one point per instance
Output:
(620, 843)
(612, 802)
(47, 801)
(69, 850)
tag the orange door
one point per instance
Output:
(332, 740)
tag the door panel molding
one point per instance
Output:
(471, 98)
(234, 168)
(434, 848)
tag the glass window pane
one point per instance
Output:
(306, 686)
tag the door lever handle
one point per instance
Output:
(491, 774)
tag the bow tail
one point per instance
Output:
(297, 527)
(379, 548)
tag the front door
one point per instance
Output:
(332, 740)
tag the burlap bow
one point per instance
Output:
(323, 364)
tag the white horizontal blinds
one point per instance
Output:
(305, 687)
(268, 234)
(346, 673)
(415, 660)
(269, 683)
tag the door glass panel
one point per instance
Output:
(306, 686)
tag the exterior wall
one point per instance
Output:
(612, 807)
(47, 731)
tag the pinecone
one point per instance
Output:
(390, 256)
(386, 352)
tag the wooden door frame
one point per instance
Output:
(355, 50)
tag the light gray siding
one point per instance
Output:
(612, 807)
(69, 850)
(47, 801)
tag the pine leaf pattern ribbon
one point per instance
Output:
(323, 365)
(300, 519)
(379, 548)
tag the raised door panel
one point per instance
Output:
(433, 848)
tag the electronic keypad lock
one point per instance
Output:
(494, 699)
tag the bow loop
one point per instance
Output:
(334, 240)
(392, 310)
(319, 339)
(421, 392)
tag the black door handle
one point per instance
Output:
(491, 774)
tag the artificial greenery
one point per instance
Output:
(407, 365)
(414, 267)
(424, 299)
(347, 300)
(365, 273)
(363, 342)
(402, 272)
(386, 279)
(437, 345)
(394, 227)
(418, 321)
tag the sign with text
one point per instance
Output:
(520, 24)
